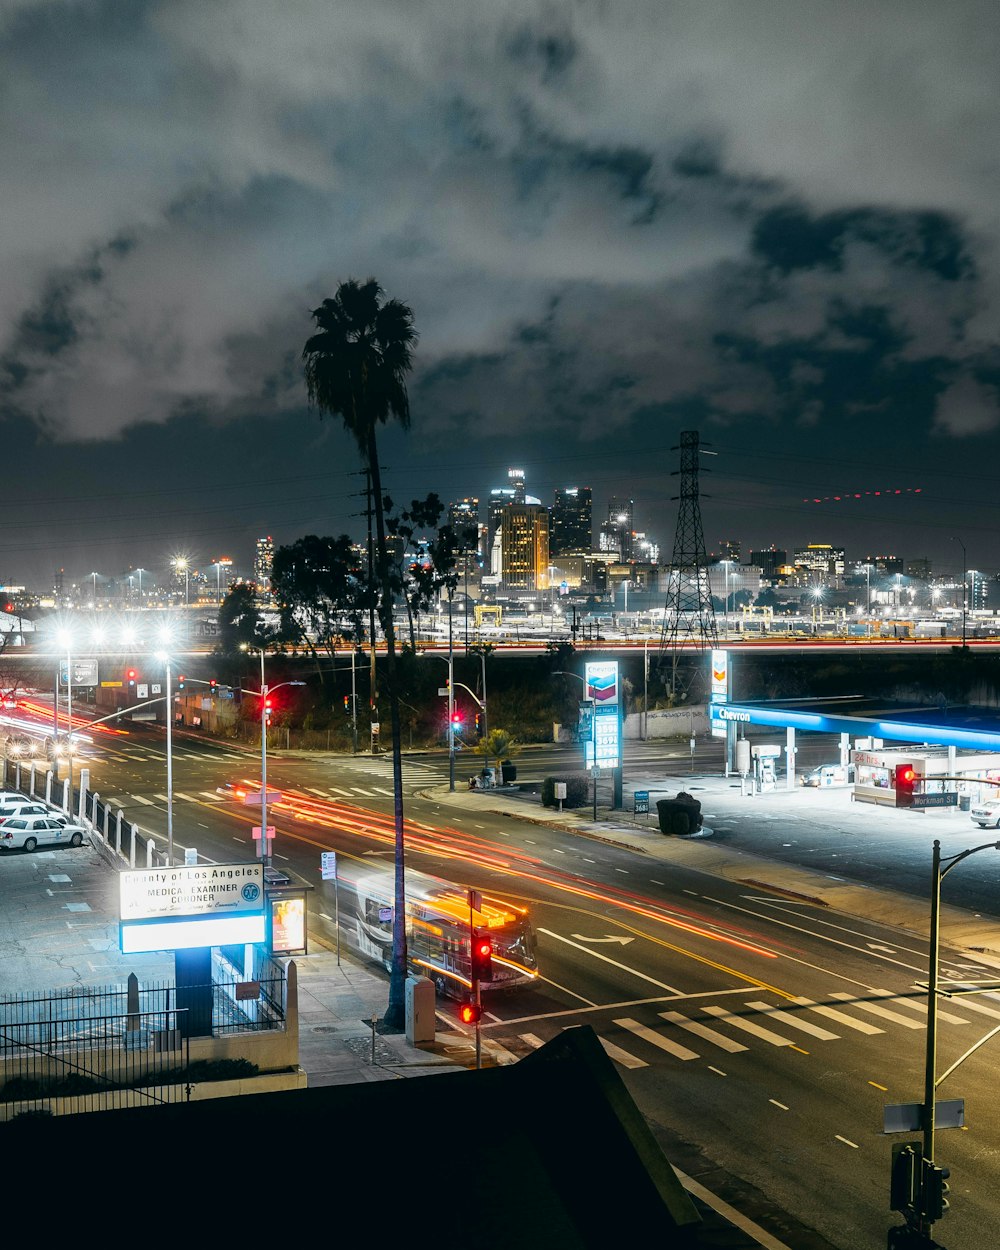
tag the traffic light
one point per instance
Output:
(268, 708)
(456, 719)
(131, 678)
(180, 681)
(482, 955)
(347, 702)
(479, 724)
(906, 781)
(935, 1186)
(470, 1013)
(212, 684)
(903, 1178)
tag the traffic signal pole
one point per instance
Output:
(475, 899)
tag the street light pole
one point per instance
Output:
(263, 763)
(451, 704)
(965, 576)
(170, 771)
(941, 866)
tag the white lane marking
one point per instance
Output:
(831, 1013)
(653, 880)
(210, 794)
(916, 1005)
(970, 1004)
(312, 790)
(853, 1144)
(161, 798)
(388, 793)
(794, 1022)
(874, 1009)
(365, 794)
(621, 1056)
(717, 1071)
(623, 871)
(702, 1030)
(654, 1039)
(138, 798)
(748, 1026)
(736, 1218)
(775, 1103)
(344, 794)
(189, 798)
(475, 826)
(632, 972)
(531, 1039)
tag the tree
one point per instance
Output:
(240, 622)
(322, 594)
(499, 745)
(355, 368)
(426, 564)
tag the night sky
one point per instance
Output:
(775, 223)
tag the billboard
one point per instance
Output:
(720, 676)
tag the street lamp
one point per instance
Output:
(181, 564)
(265, 706)
(94, 576)
(726, 566)
(164, 656)
(66, 638)
(942, 865)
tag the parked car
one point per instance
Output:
(28, 832)
(986, 813)
(23, 808)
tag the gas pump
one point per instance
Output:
(764, 772)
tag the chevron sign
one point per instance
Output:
(601, 678)
(720, 676)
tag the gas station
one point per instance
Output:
(952, 753)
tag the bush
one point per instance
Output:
(680, 815)
(577, 790)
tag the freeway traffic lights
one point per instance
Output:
(470, 1013)
(131, 678)
(935, 1186)
(482, 955)
(906, 781)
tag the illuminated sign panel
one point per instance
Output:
(604, 749)
(178, 908)
(720, 676)
(601, 680)
(151, 893)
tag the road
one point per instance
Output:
(760, 1035)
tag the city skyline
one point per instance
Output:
(612, 223)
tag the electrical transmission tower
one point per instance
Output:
(689, 616)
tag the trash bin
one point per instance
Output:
(964, 802)
(508, 772)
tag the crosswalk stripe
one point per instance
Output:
(179, 794)
(367, 794)
(210, 794)
(655, 1039)
(344, 794)
(390, 793)
(702, 1030)
(748, 1026)
(140, 758)
(621, 1056)
(831, 1013)
(874, 1009)
(161, 798)
(972, 1004)
(312, 790)
(920, 1006)
(795, 1022)
(138, 798)
(532, 1040)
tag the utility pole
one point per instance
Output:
(369, 512)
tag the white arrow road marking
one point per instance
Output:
(623, 940)
(632, 972)
(889, 950)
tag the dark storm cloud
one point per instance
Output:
(608, 217)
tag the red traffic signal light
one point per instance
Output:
(456, 718)
(470, 1013)
(482, 955)
(906, 782)
(131, 676)
(180, 681)
(212, 683)
(268, 708)
(347, 702)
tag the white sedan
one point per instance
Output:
(28, 832)
(986, 813)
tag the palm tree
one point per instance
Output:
(355, 368)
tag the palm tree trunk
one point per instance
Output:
(395, 1015)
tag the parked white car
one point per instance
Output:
(986, 813)
(28, 832)
(23, 807)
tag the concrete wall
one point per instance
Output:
(673, 722)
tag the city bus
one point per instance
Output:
(437, 931)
